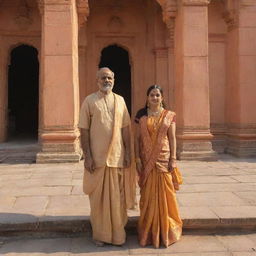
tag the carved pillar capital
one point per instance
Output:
(83, 11)
(195, 2)
(52, 4)
(170, 23)
(169, 9)
(230, 13)
(248, 3)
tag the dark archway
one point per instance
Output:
(117, 59)
(23, 92)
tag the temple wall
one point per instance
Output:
(217, 74)
(19, 24)
(201, 52)
(141, 32)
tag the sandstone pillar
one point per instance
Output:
(192, 80)
(3, 92)
(241, 76)
(59, 85)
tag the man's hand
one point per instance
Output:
(139, 167)
(89, 164)
(127, 160)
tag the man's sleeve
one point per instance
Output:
(84, 119)
(126, 116)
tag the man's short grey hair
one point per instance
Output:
(104, 68)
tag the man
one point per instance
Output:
(105, 139)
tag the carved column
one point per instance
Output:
(3, 91)
(161, 60)
(83, 12)
(59, 83)
(169, 8)
(192, 80)
(241, 91)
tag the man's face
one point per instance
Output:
(105, 81)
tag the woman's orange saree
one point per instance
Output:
(159, 220)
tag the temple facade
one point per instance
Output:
(202, 53)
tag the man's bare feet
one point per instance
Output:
(98, 243)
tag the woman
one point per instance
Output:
(155, 151)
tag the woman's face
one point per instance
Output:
(155, 97)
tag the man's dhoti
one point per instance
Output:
(106, 190)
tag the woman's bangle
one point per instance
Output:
(137, 160)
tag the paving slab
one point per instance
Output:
(236, 243)
(35, 205)
(211, 199)
(69, 205)
(36, 191)
(189, 245)
(249, 196)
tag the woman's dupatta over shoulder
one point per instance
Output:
(152, 149)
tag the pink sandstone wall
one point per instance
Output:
(139, 29)
(19, 24)
(217, 74)
(209, 99)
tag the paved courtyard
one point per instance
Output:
(49, 198)
(221, 193)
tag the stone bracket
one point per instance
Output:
(83, 11)
(195, 2)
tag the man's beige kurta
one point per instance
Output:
(105, 116)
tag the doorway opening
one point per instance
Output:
(117, 59)
(23, 93)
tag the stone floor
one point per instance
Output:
(232, 244)
(220, 193)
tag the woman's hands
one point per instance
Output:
(172, 164)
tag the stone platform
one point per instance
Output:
(49, 198)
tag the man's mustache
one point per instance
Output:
(107, 84)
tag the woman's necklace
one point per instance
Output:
(154, 113)
(155, 116)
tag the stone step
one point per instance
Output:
(70, 224)
(23, 151)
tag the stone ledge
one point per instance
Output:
(200, 155)
(43, 157)
(82, 224)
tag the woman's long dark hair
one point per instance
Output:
(143, 111)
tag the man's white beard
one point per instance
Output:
(106, 88)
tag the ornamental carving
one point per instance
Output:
(169, 9)
(248, 2)
(82, 7)
(115, 24)
(196, 2)
(230, 13)
(83, 11)
(23, 17)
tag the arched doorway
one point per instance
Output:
(23, 93)
(117, 59)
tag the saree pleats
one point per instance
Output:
(159, 220)
(108, 209)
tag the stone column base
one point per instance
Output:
(219, 145)
(195, 147)
(241, 148)
(44, 157)
(59, 147)
(219, 141)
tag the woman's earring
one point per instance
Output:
(161, 104)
